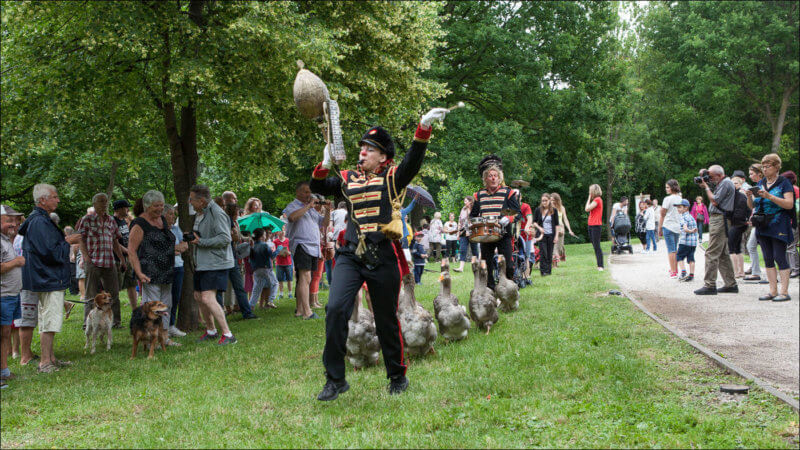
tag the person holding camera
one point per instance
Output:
(773, 218)
(213, 256)
(721, 198)
(304, 242)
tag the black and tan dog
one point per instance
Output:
(99, 321)
(146, 326)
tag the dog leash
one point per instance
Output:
(79, 301)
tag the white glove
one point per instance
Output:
(504, 221)
(434, 114)
(327, 162)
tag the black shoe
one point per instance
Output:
(782, 298)
(765, 298)
(398, 385)
(332, 390)
(705, 290)
(250, 317)
(729, 289)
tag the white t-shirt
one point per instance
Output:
(616, 207)
(672, 221)
(337, 216)
(650, 219)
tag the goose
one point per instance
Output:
(506, 290)
(362, 344)
(452, 317)
(416, 323)
(482, 304)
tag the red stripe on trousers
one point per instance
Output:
(397, 304)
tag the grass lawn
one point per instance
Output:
(571, 368)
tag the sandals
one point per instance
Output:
(767, 297)
(50, 368)
(752, 278)
(61, 363)
(782, 298)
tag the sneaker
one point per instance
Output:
(705, 290)
(3, 384)
(225, 340)
(332, 389)
(250, 317)
(271, 305)
(794, 274)
(207, 337)
(175, 332)
(689, 277)
(398, 385)
(729, 289)
(683, 277)
(673, 275)
(171, 343)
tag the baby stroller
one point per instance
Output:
(518, 263)
(621, 231)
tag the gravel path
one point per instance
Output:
(760, 337)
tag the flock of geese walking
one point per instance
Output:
(417, 323)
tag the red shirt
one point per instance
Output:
(596, 215)
(340, 239)
(525, 209)
(283, 260)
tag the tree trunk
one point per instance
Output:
(608, 190)
(777, 127)
(110, 189)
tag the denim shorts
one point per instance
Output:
(671, 240)
(10, 309)
(284, 273)
(686, 252)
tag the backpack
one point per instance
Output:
(741, 212)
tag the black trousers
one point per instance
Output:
(503, 246)
(384, 286)
(451, 248)
(594, 237)
(546, 254)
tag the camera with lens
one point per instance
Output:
(704, 177)
(188, 237)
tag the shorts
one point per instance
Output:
(29, 306)
(80, 273)
(735, 234)
(126, 279)
(686, 251)
(10, 310)
(211, 280)
(51, 311)
(671, 240)
(284, 273)
(303, 261)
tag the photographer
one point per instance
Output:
(717, 258)
(773, 217)
(304, 243)
(213, 258)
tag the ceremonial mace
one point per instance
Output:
(314, 102)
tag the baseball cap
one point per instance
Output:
(121, 204)
(8, 211)
(738, 173)
(684, 202)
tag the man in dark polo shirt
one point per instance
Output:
(126, 279)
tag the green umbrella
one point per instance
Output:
(260, 220)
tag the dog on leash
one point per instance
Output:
(99, 321)
(146, 326)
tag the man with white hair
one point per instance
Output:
(100, 241)
(717, 257)
(46, 271)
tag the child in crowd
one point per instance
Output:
(687, 242)
(418, 254)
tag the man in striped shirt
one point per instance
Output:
(495, 200)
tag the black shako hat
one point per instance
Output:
(380, 139)
(489, 161)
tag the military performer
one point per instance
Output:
(369, 255)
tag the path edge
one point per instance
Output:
(718, 360)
